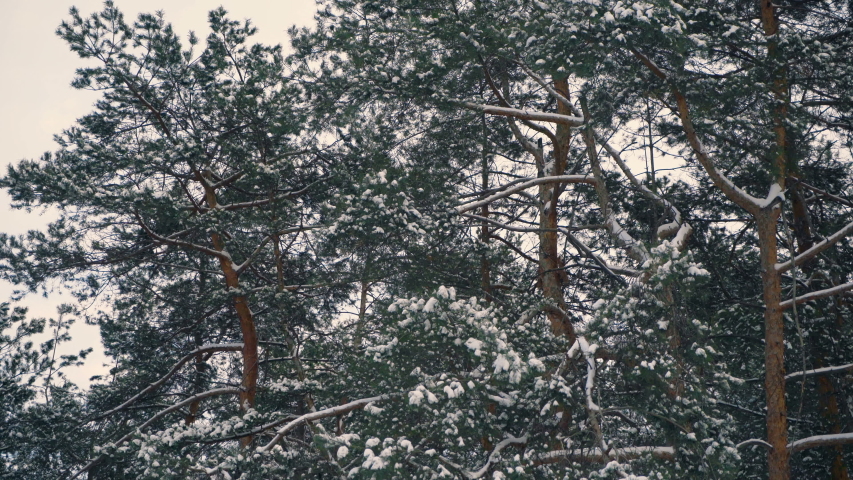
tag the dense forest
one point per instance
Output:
(433, 242)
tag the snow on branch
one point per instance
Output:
(816, 249)
(524, 186)
(816, 295)
(494, 457)
(158, 416)
(180, 243)
(754, 441)
(521, 114)
(821, 441)
(325, 413)
(720, 180)
(677, 226)
(595, 455)
(223, 347)
(820, 371)
(598, 260)
(815, 441)
(551, 90)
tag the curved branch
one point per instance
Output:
(161, 414)
(325, 413)
(494, 457)
(225, 347)
(720, 180)
(524, 186)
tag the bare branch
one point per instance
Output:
(720, 180)
(179, 243)
(816, 295)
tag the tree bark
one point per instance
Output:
(774, 349)
(249, 381)
(485, 265)
(549, 259)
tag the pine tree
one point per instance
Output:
(447, 266)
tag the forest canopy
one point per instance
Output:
(433, 242)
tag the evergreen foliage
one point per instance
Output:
(416, 248)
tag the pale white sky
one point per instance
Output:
(38, 102)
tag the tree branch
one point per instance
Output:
(524, 114)
(161, 414)
(225, 347)
(524, 186)
(325, 413)
(816, 249)
(816, 295)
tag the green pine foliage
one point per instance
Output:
(368, 216)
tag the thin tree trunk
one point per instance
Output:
(362, 312)
(485, 265)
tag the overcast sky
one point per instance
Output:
(38, 101)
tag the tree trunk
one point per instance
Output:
(774, 348)
(549, 259)
(485, 265)
(244, 313)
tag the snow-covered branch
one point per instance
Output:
(677, 226)
(753, 441)
(598, 260)
(821, 441)
(524, 186)
(816, 295)
(633, 248)
(180, 243)
(525, 114)
(223, 347)
(161, 414)
(325, 413)
(816, 249)
(551, 90)
(720, 180)
(820, 371)
(815, 441)
(494, 457)
(595, 455)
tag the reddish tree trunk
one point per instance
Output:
(774, 348)
(549, 259)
